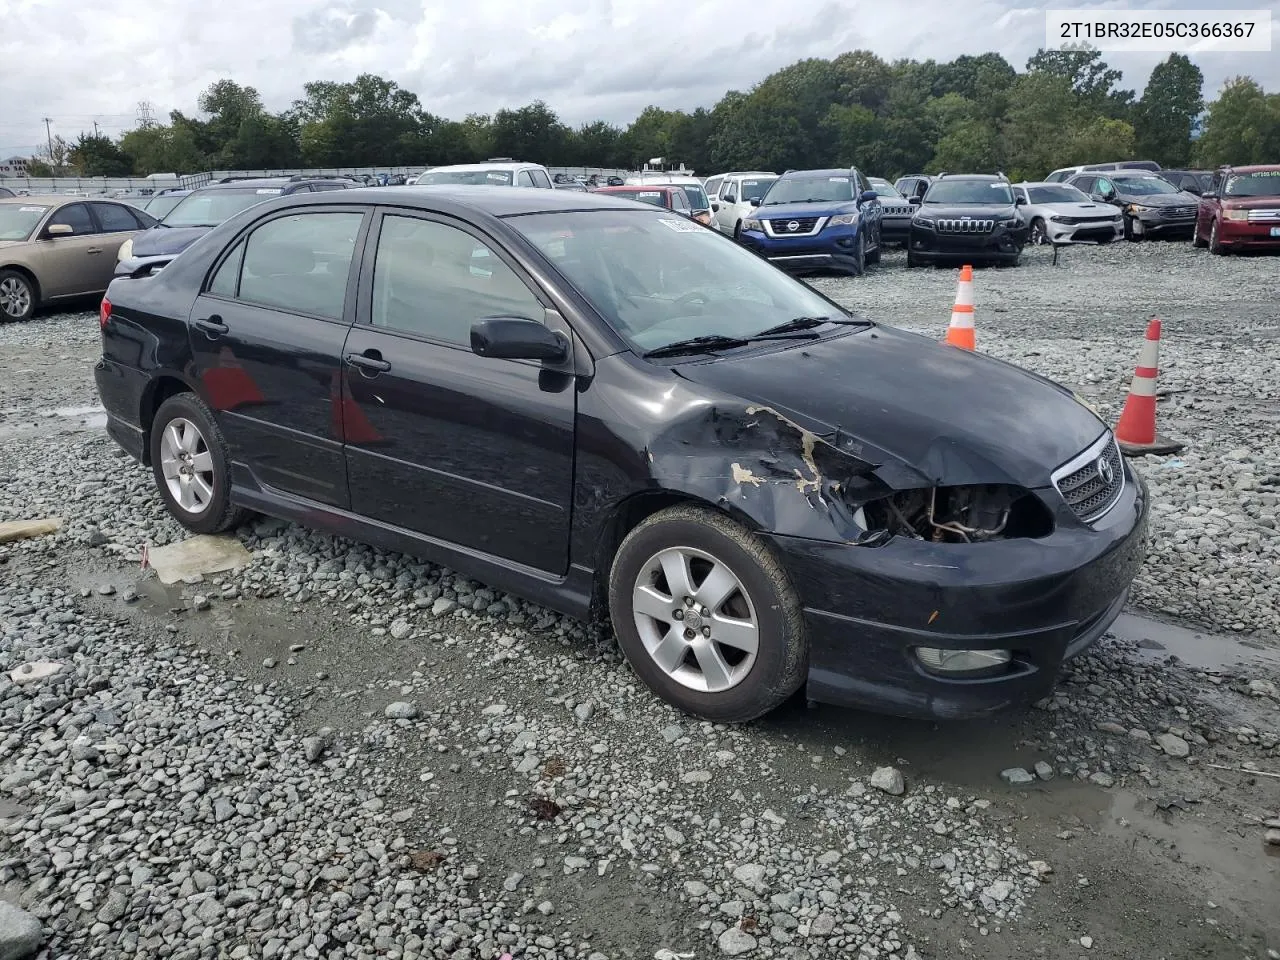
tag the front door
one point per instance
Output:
(71, 264)
(469, 450)
(267, 336)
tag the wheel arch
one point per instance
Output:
(28, 274)
(159, 389)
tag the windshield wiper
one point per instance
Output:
(806, 323)
(718, 341)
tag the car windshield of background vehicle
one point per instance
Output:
(1144, 186)
(161, 206)
(17, 220)
(886, 190)
(212, 208)
(1265, 183)
(1063, 193)
(658, 277)
(697, 198)
(475, 178)
(969, 191)
(656, 197)
(809, 190)
(755, 188)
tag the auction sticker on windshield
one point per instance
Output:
(682, 226)
(33, 209)
(268, 190)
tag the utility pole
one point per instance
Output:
(49, 136)
(95, 129)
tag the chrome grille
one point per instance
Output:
(965, 226)
(899, 211)
(802, 225)
(1177, 213)
(1083, 482)
(1264, 216)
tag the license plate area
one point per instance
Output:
(1275, 231)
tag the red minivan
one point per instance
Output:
(1240, 210)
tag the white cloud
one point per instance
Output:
(598, 59)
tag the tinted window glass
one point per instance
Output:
(1264, 183)
(678, 200)
(712, 186)
(968, 191)
(300, 263)
(523, 179)
(1065, 193)
(76, 216)
(209, 207)
(115, 218)
(224, 281)
(540, 179)
(754, 187)
(436, 281)
(493, 178)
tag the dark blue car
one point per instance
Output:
(817, 220)
(200, 211)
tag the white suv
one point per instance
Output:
(496, 172)
(731, 203)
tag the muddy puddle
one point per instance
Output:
(16, 423)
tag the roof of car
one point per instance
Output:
(497, 164)
(833, 172)
(495, 201)
(1254, 168)
(253, 182)
(56, 200)
(990, 177)
(630, 187)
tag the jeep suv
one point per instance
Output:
(815, 220)
(971, 217)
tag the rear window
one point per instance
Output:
(475, 178)
(1064, 193)
(656, 197)
(208, 208)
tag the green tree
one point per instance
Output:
(1170, 103)
(1044, 110)
(366, 122)
(596, 144)
(97, 155)
(1091, 78)
(1102, 137)
(1242, 126)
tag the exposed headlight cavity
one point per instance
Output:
(961, 514)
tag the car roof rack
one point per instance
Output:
(496, 159)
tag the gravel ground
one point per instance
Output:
(339, 752)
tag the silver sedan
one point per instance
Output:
(1060, 213)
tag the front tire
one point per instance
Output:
(1131, 234)
(18, 297)
(1215, 244)
(859, 265)
(706, 615)
(190, 461)
(737, 231)
(1039, 234)
(874, 255)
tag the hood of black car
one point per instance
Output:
(951, 415)
(1161, 199)
(974, 211)
(159, 241)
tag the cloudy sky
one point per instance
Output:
(77, 62)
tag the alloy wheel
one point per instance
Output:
(695, 619)
(15, 297)
(187, 465)
(1038, 237)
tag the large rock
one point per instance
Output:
(888, 779)
(20, 933)
(735, 941)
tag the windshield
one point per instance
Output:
(208, 208)
(1059, 193)
(809, 190)
(475, 178)
(656, 197)
(969, 191)
(1144, 186)
(658, 278)
(17, 220)
(756, 187)
(885, 189)
(697, 196)
(1264, 183)
(159, 206)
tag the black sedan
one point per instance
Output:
(603, 407)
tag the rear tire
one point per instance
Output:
(737, 231)
(691, 592)
(190, 461)
(18, 297)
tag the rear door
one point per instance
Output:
(267, 335)
(469, 450)
(116, 224)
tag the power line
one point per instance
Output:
(145, 118)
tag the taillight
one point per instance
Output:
(104, 313)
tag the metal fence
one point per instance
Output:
(98, 186)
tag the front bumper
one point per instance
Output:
(867, 608)
(832, 248)
(1240, 234)
(1003, 244)
(1154, 225)
(1102, 231)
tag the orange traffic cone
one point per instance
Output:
(961, 333)
(1136, 429)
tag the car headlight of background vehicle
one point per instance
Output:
(126, 250)
(751, 223)
(843, 220)
(1140, 208)
(1235, 214)
(924, 222)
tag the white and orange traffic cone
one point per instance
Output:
(1136, 429)
(961, 333)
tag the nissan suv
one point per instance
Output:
(816, 220)
(970, 217)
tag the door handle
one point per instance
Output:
(212, 326)
(369, 360)
(94, 250)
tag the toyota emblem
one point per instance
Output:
(793, 226)
(1105, 470)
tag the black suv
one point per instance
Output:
(972, 217)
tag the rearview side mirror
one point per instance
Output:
(1209, 195)
(755, 201)
(1020, 201)
(59, 230)
(915, 200)
(866, 196)
(730, 198)
(515, 338)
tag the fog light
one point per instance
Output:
(961, 663)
